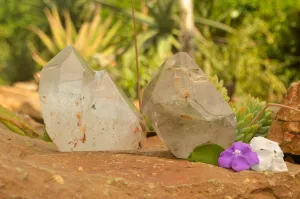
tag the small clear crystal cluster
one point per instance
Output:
(185, 109)
(84, 110)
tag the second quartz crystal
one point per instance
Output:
(185, 109)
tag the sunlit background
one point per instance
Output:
(253, 45)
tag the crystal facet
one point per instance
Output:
(185, 109)
(84, 110)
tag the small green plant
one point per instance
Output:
(93, 40)
(16, 124)
(246, 111)
(219, 84)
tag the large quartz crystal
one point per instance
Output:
(185, 109)
(84, 110)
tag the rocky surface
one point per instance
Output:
(292, 99)
(21, 99)
(286, 128)
(35, 169)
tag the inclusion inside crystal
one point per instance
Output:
(84, 110)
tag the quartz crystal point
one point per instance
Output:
(84, 110)
(185, 109)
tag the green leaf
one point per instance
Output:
(16, 124)
(45, 39)
(207, 153)
(215, 24)
(239, 136)
(240, 124)
(251, 131)
(13, 128)
(46, 137)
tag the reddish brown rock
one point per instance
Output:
(287, 135)
(35, 169)
(292, 99)
(286, 128)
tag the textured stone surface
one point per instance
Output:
(287, 135)
(286, 128)
(84, 110)
(291, 99)
(185, 109)
(21, 100)
(34, 169)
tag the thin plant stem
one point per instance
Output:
(266, 106)
(136, 58)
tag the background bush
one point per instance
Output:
(252, 45)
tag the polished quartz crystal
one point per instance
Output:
(185, 109)
(84, 110)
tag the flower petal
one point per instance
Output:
(251, 157)
(225, 159)
(239, 163)
(241, 146)
(227, 151)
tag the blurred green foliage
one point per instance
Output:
(252, 45)
(17, 124)
(92, 40)
(15, 61)
(156, 41)
(262, 54)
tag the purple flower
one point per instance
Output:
(239, 157)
